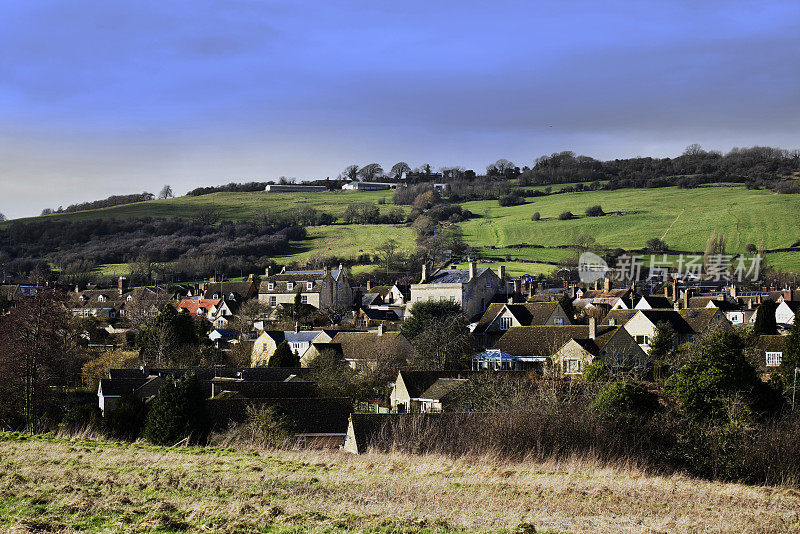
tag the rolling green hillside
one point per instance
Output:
(684, 218)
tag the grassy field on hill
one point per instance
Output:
(684, 218)
(93, 486)
(230, 206)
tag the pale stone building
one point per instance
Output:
(472, 288)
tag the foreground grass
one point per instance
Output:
(62, 485)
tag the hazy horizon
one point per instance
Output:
(112, 98)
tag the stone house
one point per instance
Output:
(499, 317)
(363, 350)
(324, 288)
(472, 288)
(298, 340)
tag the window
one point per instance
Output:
(505, 323)
(572, 366)
(303, 299)
(558, 321)
(489, 284)
(309, 285)
(270, 286)
(289, 285)
(774, 359)
(642, 340)
(273, 301)
(325, 285)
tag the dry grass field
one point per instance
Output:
(57, 485)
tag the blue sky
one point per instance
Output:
(101, 98)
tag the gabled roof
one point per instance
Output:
(367, 345)
(620, 317)
(547, 340)
(290, 336)
(454, 276)
(442, 387)
(192, 305)
(671, 317)
(770, 343)
(698, 318)
(381, 315)
(224, 289)
(417, 382)
(116, 387)
(655, 301)
(527, 314)
(793, 305)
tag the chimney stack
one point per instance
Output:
(592, 328)
(424, 273)
(369, 285)
(250, 277)
(380, 329)
(121, 284)
(733, 292)
(296, 326)
(518, 287)
(607, 284)
(686, 298)
(268, 271)
(502, 272)
(472, 269)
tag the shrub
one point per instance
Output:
(625, 398)
(656, 245)
(513, 198)
(766, 324)
(716, 372)
(597, 371)
(750, 248)
(595, 211)
(127, 419)
(566, 216)
(177, 412)
(81, 417)
(284, 356)
(536, 216)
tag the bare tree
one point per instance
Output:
(3, 217)
(398, 169)
(350, 173)
(166, 192)
(499, 167)
(387, 252)
(368, 173)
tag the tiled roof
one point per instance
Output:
(192, 305)
(442, 387)
(698, 318)
(671, 317)
(620, 317)
(453, 276)
(290, 336)
(368, 345)
(546, 340)
(527, 314)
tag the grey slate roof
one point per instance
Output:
(453, 276)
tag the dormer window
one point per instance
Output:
(270, 286)
(231, 297)
(289, 285)
(505, 323)
(309, 285)
(101, 298)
